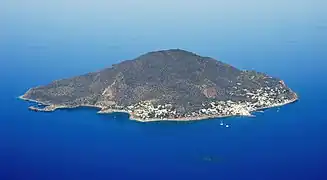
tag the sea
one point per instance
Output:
(41, 42)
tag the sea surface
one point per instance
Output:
(41, 43)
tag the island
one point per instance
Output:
(166, 85)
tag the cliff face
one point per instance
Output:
(177, 77)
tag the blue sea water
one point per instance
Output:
(289, 143)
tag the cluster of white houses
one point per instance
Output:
(261, 98)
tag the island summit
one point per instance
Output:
(166, 85)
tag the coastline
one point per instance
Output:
(103, 110)
(213, 116)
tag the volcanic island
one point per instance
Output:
(166, 85)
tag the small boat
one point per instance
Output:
(221, 123)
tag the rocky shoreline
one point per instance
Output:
(105, 110)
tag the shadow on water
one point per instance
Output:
(79, 109)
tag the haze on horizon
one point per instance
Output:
(119, 30)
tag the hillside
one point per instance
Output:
(168, 84)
